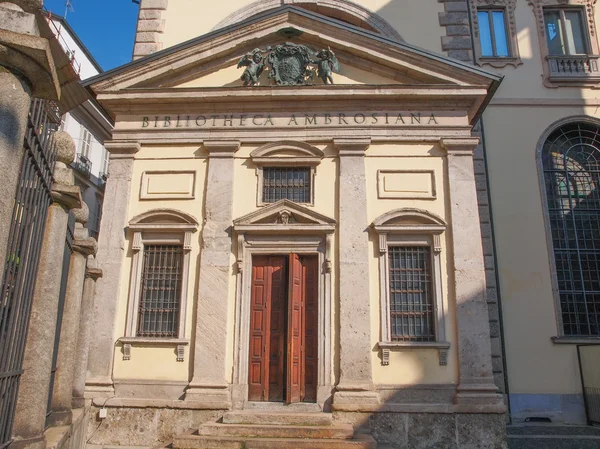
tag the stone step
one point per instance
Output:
(190, 441)
(278, 418)
(338, 431)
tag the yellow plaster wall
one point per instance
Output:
(187, 19)
(535, 364)
(160, 362)
(407, 366)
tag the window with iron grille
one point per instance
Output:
(159, 305)
(291, 183)
(411, 293)
(571, 167)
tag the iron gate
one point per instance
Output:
(23, 252)
(589, 367)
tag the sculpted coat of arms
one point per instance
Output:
(289, 64)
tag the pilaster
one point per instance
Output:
(209, 382)
(476, 382)
(32, 402)
(92, 274)
(62, 393)
(355, 387)
(111, 254)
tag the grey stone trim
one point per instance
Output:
(457, 43)
(150, 28)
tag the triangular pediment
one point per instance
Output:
(365, 57)
(284, 215)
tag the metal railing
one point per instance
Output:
(573, 67)
(589, 363)
(83, 165)
(23, 253)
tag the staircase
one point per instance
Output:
(250, 429)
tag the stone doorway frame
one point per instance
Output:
(278, 238)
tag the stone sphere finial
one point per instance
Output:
(65, 147)
(82, 214)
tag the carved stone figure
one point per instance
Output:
(255, 64)
(326, 63)
(289, 64)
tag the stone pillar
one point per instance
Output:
(20, 76)
(355, 387)
(476, 382)
(62, 394)
(32, 402)
(92, 273)
(209, 384)
(111, 254)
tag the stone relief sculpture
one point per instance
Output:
(289, 64)
(327, 63)
(255, 64)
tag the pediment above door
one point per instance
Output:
(284, 216)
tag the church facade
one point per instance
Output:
(298, 219)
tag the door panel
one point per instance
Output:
(295, 340)
(311, 327)
(268, 287)
(277, 328)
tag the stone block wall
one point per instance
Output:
(150, 28)
(458, 45)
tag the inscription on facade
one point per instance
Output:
(265, 120)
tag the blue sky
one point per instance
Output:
(106, 27)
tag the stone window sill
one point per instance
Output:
(128, 342)
(564, 340)
(387, 346)
(499, 62)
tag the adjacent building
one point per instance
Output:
(88, 124)
(386, 210)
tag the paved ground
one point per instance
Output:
(553, 437)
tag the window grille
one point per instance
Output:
(411, 295)
(292, 183)
(571, 162)
(161, 291)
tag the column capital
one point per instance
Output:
(122, 148)
(93, 273)
(352, 147)
(222, 148)
(66, 195)
(460, 147)
(85, 246)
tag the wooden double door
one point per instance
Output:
(284, 328)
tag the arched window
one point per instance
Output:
(571, 167)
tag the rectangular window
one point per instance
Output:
(492, 33)
(105, 161)
(86, 142)
(160, 298)
(565, 31)
(411, 293)
(292, 183)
